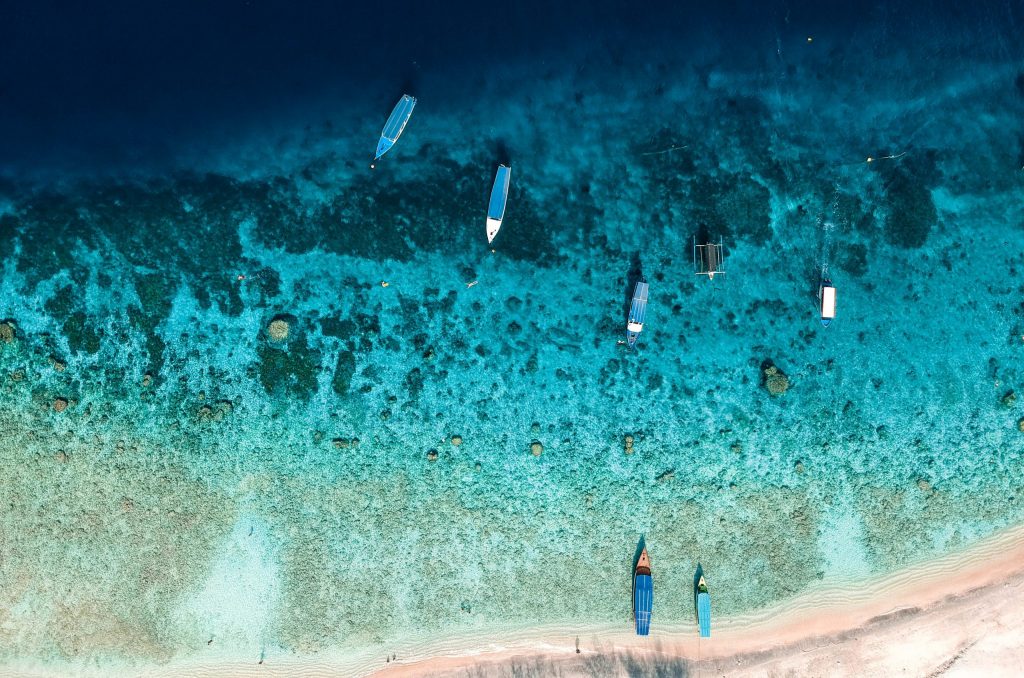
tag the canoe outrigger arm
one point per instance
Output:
(708, 258)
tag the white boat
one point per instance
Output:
(637, 313)
(499, 196)
(827, 297)
(395, 125)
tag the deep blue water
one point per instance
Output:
(118, 85)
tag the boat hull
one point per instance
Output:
(643, 595)
(637, 313)
(827, 299)
(702, 599)
(395, 125)
(499, 199)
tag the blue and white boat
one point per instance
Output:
(703, 608)
(637, 313)
(395, 125)
(643, 594)
(827, 297)
(499, 197)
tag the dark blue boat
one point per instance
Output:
(643, 594)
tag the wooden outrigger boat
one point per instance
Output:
(708, 258)
(395, 125)
(643, 594)
(827, 298)
(703, 600)
(496, 206)
(637, 312)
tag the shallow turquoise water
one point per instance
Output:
(203, 482)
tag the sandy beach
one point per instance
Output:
(959, 615)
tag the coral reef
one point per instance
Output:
(277, 330)
(912, 212)
(773, 379)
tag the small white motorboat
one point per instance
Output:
(395, 125)
(499, 196)
(827, 297)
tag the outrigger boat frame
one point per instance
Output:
(708, 258)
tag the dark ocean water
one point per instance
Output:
(234, 361)
(121, 85)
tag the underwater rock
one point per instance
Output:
(799, 467)
(924, 485)
(278, 330)
(292, 371)
(344, 370)
(60, 404)
(456, 440)
(340, 442)
(628, 443)
(58, 365)
(1020, 424)
(536, 448)
(1009, 399)
(81, 334)
(774, 379)
(147, 379)
(7, 332)
(431, 455)
(666, 475)
(853, 258)
(215, 412)
(912, 212)
(354, 442)
(18, 375)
